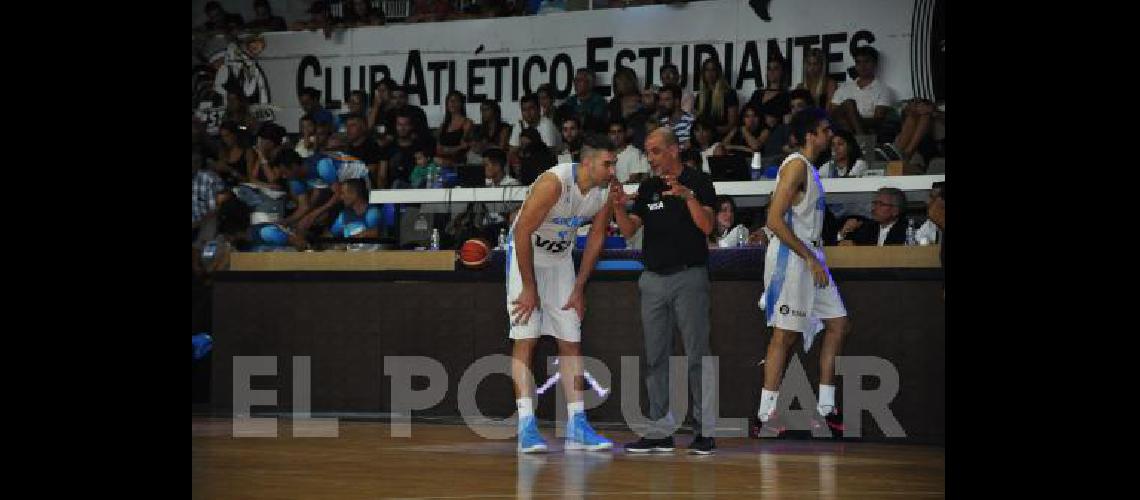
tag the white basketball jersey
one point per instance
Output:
(806, 217)
(555, 237)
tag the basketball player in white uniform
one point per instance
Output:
(543, 295)
(799, 295)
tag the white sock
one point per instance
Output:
(767, 404)
(826, 399)
(575, 407)
(526, 408)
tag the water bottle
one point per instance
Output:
(741, 236)
(503, 238)
(757, 168)
(910, 232)
(437, 178)
(435, 239)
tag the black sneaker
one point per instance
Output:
(646, 445)
(702, 445)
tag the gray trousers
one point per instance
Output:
(679, 300)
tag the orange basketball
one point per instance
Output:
(475, 253)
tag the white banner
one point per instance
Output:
(503, 59)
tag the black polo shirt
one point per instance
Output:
(671, 238)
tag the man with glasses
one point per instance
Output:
(884, 228)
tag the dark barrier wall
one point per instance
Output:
(347, 322)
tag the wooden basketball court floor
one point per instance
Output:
(453, 462)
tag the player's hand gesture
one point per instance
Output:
(525, 304)
(819, 273)
(618, 196)
(577, 301)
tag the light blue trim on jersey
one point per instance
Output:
(777, 285)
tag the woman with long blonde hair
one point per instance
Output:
(816, 80)
(717, 100)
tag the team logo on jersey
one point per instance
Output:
(657, 206)
(785, 310)
(552, 246)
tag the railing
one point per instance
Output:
(735, 188)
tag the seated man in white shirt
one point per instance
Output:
(928, 233)
(885, 226)
(495, 168)
(861, 105)
(632, 165)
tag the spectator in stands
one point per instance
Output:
(205, 187)
(546, 100)
(915, 136)
(235, 161)
(217, 19)
(587, 105)
(425, 166)
(333, 166)
(454, 131)
(861, 105)
(355, 105)
(431, 10)
(818, 84)
(358, 219)
(264, 20)
(400, 105)
(307, 141)
(571, 148)
(673, 117)
(398, 158)
(269, 143)
(361, 13)
(237, 111)
(671, 76)
(779, 135)
(531, 119)
(884, 228)
(751, 135)
(535, 157)
(495, 169)
(311, 103)
(363, 146)
(631, 164)
(625, 87)
(727, 232)
(774, 98)
(928, 232)
(379, 108)
(324, 131)
(492, 132)
(846, 157)
(704, 143)
(717, 100)
(652, 112)
(320, 18)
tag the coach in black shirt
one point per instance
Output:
(677, 210)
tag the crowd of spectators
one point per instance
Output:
(328, 16)
(253, 174)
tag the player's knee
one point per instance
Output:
(783, 338)
(569, 348)
(525, 345)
